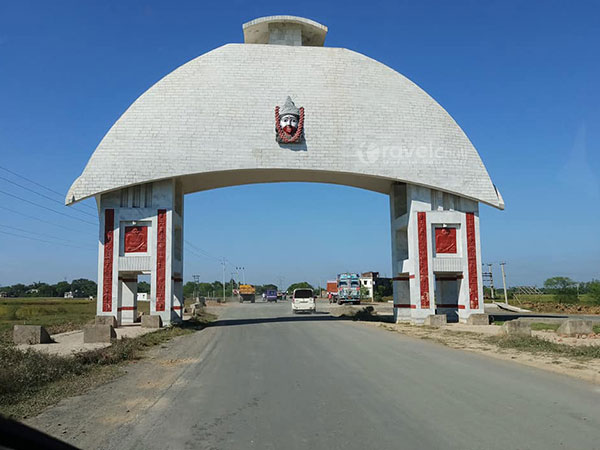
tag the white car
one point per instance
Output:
(303, 300)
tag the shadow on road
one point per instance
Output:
(319, 317)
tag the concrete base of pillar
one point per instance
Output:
(106, 320)
(402, 314)
(418, 316)
(151, 321)
(478, 319)
(435, 320)
(98, 333)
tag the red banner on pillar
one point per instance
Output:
(161, 259)
(423, 259)
(107, 275)
(472, 261)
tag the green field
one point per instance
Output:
(57, 315)
(584, 299)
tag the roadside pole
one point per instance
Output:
(223, 264)
(504, 282)
(196, 290)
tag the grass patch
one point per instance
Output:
(57, 315)
(536, 345)
(31, 381)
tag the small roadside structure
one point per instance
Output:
(574, 327)
(516, 328)
(31, 335)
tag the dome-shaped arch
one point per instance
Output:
(210, 123)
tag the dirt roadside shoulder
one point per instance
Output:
(120, 401)
(489, 344)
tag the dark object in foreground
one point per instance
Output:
(16, 436)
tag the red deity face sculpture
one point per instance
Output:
(289, 123)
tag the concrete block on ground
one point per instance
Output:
(30, 334)
(573, 327)
(98, 333)
(151, 321)
(106, 320)
(478, 319)
(435, 320)
(516, 328)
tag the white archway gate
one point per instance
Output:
(224, 119)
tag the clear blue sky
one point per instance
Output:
(520, 77)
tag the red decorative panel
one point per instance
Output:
(136, 239)
(445, 240)
(161, 259)
(107, 275)
(472, 261)
(423, 259)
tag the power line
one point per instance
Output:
(208, 255)
(41, 220)
(40, 185)
(43, 195)
(43, 240)
(198, 255)
(35, 233)
(45, 207)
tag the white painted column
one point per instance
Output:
(421, 262)
(128, 288)
(400, 272)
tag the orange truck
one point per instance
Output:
(247, 293)
(332, 291)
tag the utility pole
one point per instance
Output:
(196, 290)
(504, 282)
(491, 281)
(488, 278)
(232, 282)
(223, 264)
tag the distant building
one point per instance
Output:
(371, 280)
(368, 280)
(3, 294)
(142, 297)
(69, 294)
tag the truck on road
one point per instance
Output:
(332, 291)
(271, 295)
(247, 293)
(348, 285)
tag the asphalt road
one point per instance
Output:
(266, 379)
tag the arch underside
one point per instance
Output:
(205, 181)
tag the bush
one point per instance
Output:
(566, 295)
(594, 291)
(563, 288)
(24, 372)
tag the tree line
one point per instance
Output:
(565, 290)
(81, 288)
(215, 289)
